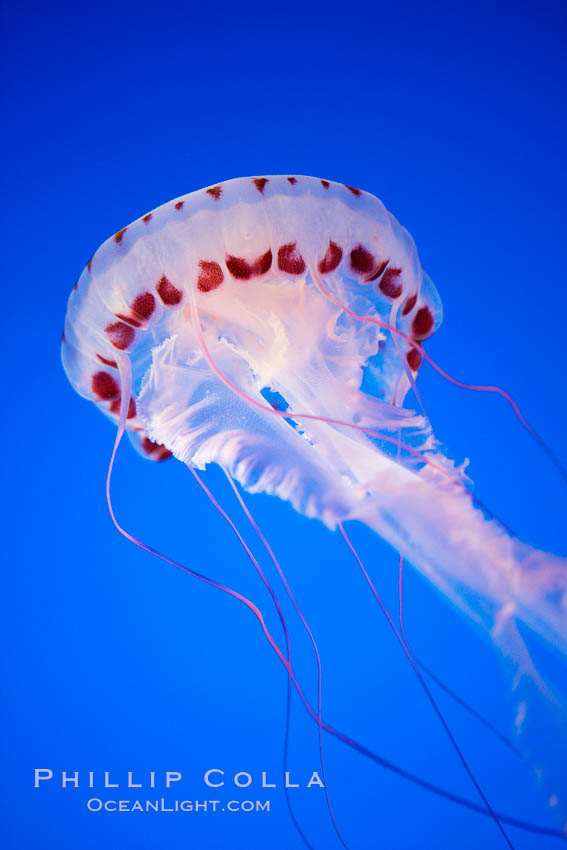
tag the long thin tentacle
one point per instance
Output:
(287, 414)
(313, 642)
(444, 687)
(125, 376)
(426, 690)
(473, 387)
(286, 634)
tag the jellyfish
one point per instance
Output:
(275, 326)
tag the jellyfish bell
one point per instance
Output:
(249, 275)
(275, 326)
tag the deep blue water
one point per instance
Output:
(454, 117)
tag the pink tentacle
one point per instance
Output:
(313, 642)
(472, 711)
(428, 693)
(283, 624)
(124, 366)
(397, 332)
(474, 387)
(287, 414)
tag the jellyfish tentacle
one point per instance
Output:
(403, 361)
(124, 366)
(426, 690)
(482, 559)
(125, 375)
(444, 687)
(293, 414)
(309, 632)
(277, 605)
(473, 387)
(134, 296)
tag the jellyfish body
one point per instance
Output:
(243, 260)
(274, 326)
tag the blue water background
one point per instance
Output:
(453, 116)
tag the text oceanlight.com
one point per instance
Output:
(95, 804)
(138, 782)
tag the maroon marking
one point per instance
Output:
(292, 180)
(118, 236)
(89, 264)
(157, 451)
(75, 285)
(352, 189)
(179, 205)
(129, 320)
(290, 260)
(107, 362)
(146, 218)
(325, 184)
(362, 260)
(167, 291)
(104, 386)
(409, 305)
(390, 285)
(210, 277)
(260, 183)
(63, 337)
(414, 359)
(423, 322)
(332, 258)
(263, 264)
(143, 305)
(238, 267)
(115, 407)
(215, 192)
(243, 270)
(120, 335)
(378, 272)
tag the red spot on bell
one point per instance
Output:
(361, 260)
(332, 258)
(290, 260)
(409, 305)
(129, 320)
(143, 305)
(263, 264)
(238, 267)
(390, 283)
(115, 407)
(107, 362)
(375, 275)
(423, 322)
(120, 335)
(155, 450)
(260, 183)
(104, 386)
(210, 276)
(414, 359)
(168, 293)
(241, 269)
